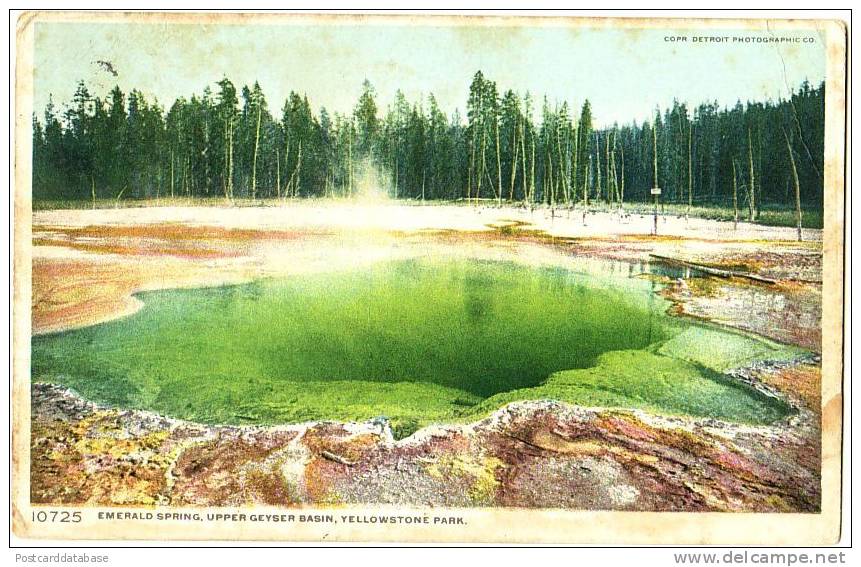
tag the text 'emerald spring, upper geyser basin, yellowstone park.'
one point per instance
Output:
(417, 341)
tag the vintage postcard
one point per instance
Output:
(417, 278)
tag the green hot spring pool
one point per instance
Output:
(417, 341)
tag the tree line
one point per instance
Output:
(509, 147)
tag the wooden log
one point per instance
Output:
(719, 272)
(337, 458)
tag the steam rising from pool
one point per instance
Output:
(372, 183)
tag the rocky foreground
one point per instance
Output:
(527, 454)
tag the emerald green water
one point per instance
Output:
(417, 341)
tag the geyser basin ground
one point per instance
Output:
(417, 341)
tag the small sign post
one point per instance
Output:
(656, 191)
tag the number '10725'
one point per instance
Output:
(44, 516)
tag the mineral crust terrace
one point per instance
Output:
(533, 454)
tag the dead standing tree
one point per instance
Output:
(562, 161)
(796, 182)
(523, 160)
(256, 150)
(277, 173)
(734, 196)
(597, 167)
(690, 170)
(514, 159)
(498, 162)
(575, 164)
(608, 175)
(752, 189)
(622, 180)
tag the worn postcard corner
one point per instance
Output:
(428, 278)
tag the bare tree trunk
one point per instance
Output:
(597, 167)
(690, 170)
(523, 158)
(206, 154)
(622, 188)
(575, 164)
(655, 156)
(550, 194)
(610, 195)
(797, 185)
(119, 196)
(226, 174)
(287, 188)
(350, 164)
(752, 190)
(586, 169)
(471, 174)
(513, 161)
(615, 173)
(230, 167)
(532, 176)
(254, 161)
(293, 184)
(562, 161)
(734, 197)
(171, 173)
(498, 165)
(471, 171)
(759, 160)
(278, 173)
(229, 180)
(483, 162)
(298, 170)
(395, 145)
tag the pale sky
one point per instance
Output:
(625, 74)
